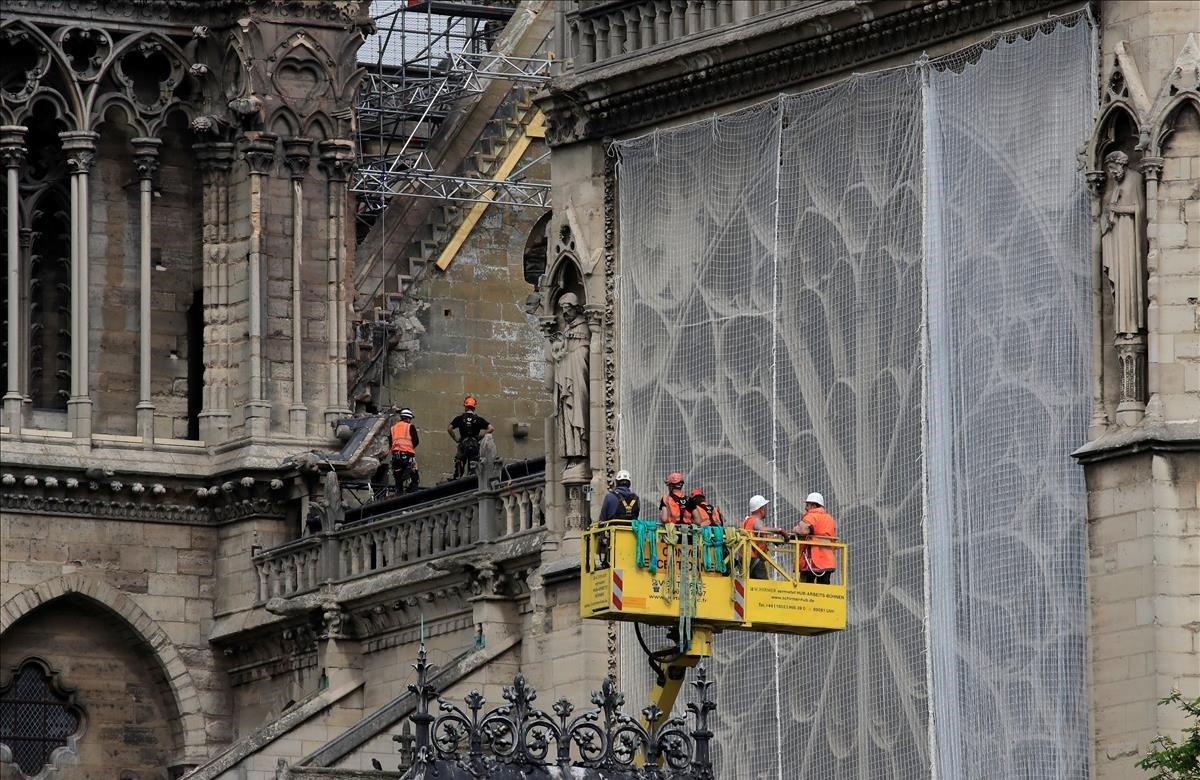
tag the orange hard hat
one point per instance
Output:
(469, 402)
(674, 478)
(697, 492)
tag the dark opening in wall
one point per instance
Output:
(195, 363)
(534, 261)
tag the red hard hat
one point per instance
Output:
(469, 402)
(697, 492)
(674, 478)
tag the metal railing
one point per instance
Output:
(410, 535)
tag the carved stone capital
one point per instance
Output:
(1095, 182)
(145, 156)
(296, 154)
(595, 316)
(337, 158)
(260, 153)
(80, 148)
(214, 156)
(1151, 167)
(12, 145)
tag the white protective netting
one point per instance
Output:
(793, 319)
(1009, 372)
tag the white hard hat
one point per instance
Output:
(815, 498)
(623, 476)
(406, 413)
(757, 503)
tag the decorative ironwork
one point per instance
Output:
(38, 716)
(518, 739)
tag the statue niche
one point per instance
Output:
(569, 333)
(1123, 241)
(569, 348)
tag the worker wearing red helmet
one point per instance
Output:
(467, 429)
(673, 508)
(703, 513)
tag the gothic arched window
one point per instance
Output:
(38, 716)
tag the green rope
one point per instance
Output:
(712, 538)
(646, 532)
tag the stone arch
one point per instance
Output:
(179, 680)
(71, 95)
(1118, 119)
(1164, 124)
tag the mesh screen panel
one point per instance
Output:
(1010, 371)
(878, 290)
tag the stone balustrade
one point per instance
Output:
(289, 569)
(594, 32)
(408, 536)
(523, 503)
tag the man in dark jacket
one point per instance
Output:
(620, 503)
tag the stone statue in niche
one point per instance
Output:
(1122, 225)
(569, 349)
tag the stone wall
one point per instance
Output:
(115, 251)
(157, 578)
(1142, 478)
(478, 341)
(129, 717)
(1144, 580)
(1175, 310)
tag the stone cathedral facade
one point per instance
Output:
(178, 238)
(180, 261)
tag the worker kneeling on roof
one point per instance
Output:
(755, 523)
(818, 562)
(673, 508)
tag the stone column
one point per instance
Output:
(80, 149)
(1099, 423)
(12, 152)
(1151, 168)
(337, 159)
(595, 318)
(215, 160)
(555, 495)
(260, 157)
(26, 255)
(145, 160)
(297, 152)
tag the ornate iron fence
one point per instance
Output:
(518, 740)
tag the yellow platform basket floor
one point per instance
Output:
(614, 586)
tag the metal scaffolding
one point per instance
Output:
(428, 55)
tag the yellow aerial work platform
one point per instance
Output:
(657, 574)
(697, 582)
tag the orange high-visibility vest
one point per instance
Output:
(701, 516)
(748, 524)
(820, 559)
(402, 438)
(676, 513)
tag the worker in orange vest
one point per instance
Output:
(672, 508)
(703, 513)
(756, 523)
(818, 563)
(405, 440)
